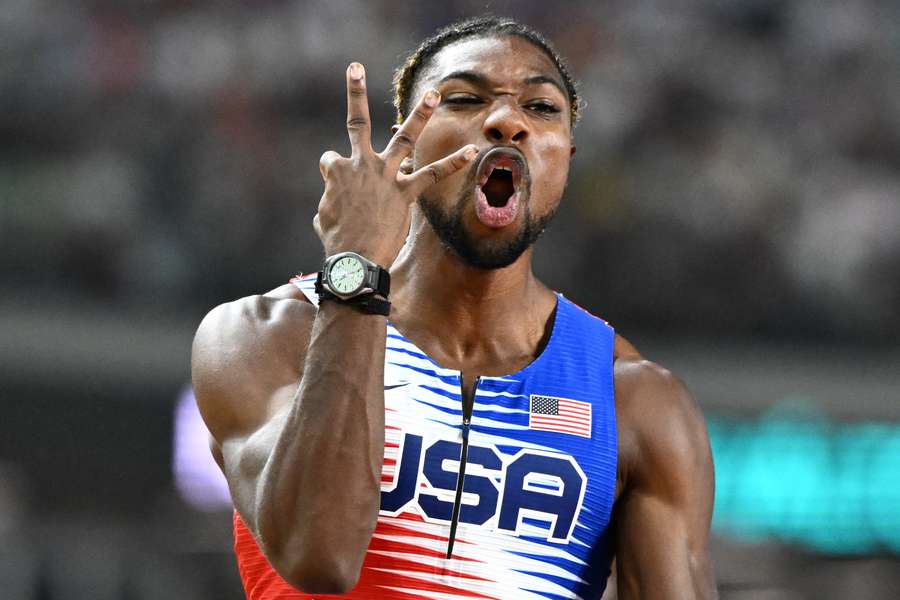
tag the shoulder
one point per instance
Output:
(245, 349)
(662, 432)
(282, 312)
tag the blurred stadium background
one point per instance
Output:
(734, 209)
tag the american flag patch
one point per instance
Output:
(560, 415)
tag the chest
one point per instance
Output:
(539, 459)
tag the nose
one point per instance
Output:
(505, 123)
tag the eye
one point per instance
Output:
(543, 106)
(461, 99)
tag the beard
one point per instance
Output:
(482, 254)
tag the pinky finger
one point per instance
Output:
(428, 175)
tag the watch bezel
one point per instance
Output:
(364, 285)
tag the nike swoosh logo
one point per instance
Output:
(391, 387)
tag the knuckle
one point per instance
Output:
(402, 139)
(329, 157)
(332, 167)
(357, 123)
(433, 173)
(325, 213)
(420, 114)
(357, 91)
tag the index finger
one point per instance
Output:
(403, 142)
(358, 124)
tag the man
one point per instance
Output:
(489, 440)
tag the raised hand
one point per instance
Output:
(365, 207)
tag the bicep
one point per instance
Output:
(662, 520)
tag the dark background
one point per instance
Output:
(733, 209)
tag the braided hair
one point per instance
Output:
(485, 26)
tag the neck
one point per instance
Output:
(462, 313)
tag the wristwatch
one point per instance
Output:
(353, 279)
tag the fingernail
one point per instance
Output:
(470, 153)
(356, 71)
(432, 97)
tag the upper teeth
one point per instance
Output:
(504, 169)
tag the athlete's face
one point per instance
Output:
(507, 97)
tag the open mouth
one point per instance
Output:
(499, 188)
(500, 175)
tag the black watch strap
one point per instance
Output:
(372, 305)
(382, 282)
(367, 303)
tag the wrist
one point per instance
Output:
(370, 304)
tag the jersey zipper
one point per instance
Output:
(468, 403)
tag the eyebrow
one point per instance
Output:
(479, 79)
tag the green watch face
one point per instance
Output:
(346, 275)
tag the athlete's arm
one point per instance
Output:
(302, 456)
(294, 396)
(663, 513)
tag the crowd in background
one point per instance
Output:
(738, 163)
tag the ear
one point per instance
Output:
(406, 166)
(395, 128)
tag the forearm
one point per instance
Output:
(318, 495)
